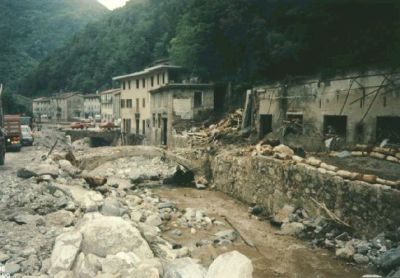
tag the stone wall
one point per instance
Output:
(272, 183)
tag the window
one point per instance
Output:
(158, 79)
(154, 120)
(129, 84)
(129, 103)
(144, 127)
(127, 125)
(144, 83)
(198, 99)
(144, 103)
(163, 78)
(159, 120)
(152, 81)
(123, 85)
(137, 105)
(137, 83)
(122, 103)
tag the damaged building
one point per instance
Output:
(176, 108)
(358, 108)
(155, 99)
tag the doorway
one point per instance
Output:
(388, 127)
(165, 132)
(137, 126)
(335, 126)
(265, 124)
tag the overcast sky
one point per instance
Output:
(113, 4)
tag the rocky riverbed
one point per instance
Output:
(125, 218)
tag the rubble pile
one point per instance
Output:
(60, 221)
(381, 252)
(226, 130)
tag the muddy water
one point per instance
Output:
(273, 255)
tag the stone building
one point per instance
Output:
(41, 107)
(67, 106)
(91, 105)
(110, 102)
(135, 96)
(359, 108)
(177, 107)
(165, 84)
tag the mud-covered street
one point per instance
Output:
(60, 221)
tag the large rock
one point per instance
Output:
(292, 228)
(62, 218)
(347, 252)
(184, 268)
(88, 200)
(95, 181)
(389, 260)
(68, 168)
(25, 218)
(114, 264)
(283, 215)
(84, 268)
(108, 235)
(112, 207)
(283, 149)
(36, 170)
(231, 265)
(65, 250)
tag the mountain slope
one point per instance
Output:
(241, 41)
(31, 29)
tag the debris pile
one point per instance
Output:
(391, 154)
(382, 251)
(226, 130)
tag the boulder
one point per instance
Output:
(109, 235)
(389, 260)
(153, 220)
(313, 161)
(283, 149)
(292, 228)
(61, 218)
(361, 259)
(112, 207)
(231, 265)
(68, 168)
(184, 268)
(25, 218)
(83, 267)
(95, 181)
(65, 250)
(347, 252)
(11, 268)
(88, 200)
(114, 264)
(37, 170)
(283, 214)
(226, 235)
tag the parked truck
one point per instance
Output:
(2, 132)
(12, 127)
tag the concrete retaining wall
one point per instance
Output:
(271, 183)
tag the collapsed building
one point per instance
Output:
(357, 108)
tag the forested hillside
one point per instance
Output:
(243, 41)
(31, 29)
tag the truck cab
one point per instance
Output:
(12, 126)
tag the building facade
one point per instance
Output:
(135, 95)
(67, 107)
(91, 105)
(359, 108)
(109, 100)
(41, 107)
(175, 108)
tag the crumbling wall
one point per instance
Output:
(271, 183)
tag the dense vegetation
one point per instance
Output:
(243, 41)
(31, 29)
